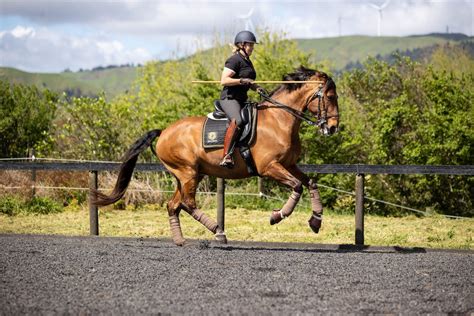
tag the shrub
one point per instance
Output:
(43, 205)
(10, 205)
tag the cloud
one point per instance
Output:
(310, 19)
(131, 16)
(300, 18)
(56, 34)
(41, 50)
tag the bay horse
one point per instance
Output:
(275, 150)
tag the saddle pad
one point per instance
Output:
(213, 133)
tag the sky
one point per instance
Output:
(54, 35)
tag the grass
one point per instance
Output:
(247, 225)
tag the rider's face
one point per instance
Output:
(248, 47)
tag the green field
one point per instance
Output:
(112, 81)
(245, 225)
(340, 51)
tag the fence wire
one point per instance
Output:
(260, 194)
(303, 203)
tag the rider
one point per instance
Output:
(237, 78)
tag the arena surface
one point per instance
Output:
(118, 276)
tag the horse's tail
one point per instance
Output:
(126, 170)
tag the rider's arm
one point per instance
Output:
(226, 78)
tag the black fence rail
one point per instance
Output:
(358, 170)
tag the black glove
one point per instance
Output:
(246, 81)
(261, 91)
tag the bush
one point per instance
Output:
(10, 205)
(410, 114)
(25, 119)
(43, 205)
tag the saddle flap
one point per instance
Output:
(245, 113)
(215, 127)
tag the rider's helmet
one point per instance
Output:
(245, 37)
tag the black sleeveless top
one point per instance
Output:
(243, 68)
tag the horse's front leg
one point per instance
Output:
(277, 172)
(316, 218)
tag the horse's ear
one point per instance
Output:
(302, 68)
(306, 72)
(291, 76)
(324, 75)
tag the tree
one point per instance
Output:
(412, 114)
(88, 128)
(25, 118)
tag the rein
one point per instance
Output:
(320, 119)
(298, 114)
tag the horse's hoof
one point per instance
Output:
(179, 242)
(315, 223)
(275, 217)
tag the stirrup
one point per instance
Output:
(227, 162)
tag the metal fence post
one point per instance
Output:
(93, 209)
(33, 183)
(359, 210)
(261, 187)
(221, 208)
(33, 176)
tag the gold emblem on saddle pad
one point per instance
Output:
(212, 136)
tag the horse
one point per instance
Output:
(275, 149)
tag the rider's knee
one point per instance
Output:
(239, 122)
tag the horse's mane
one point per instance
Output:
(300, 74)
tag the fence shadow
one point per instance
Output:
(310, 248)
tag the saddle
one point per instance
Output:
(216, 125)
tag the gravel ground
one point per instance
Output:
(116, 276)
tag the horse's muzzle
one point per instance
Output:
(329, 130)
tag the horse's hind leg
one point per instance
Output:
(174, 207)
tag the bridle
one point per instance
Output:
(321, 115)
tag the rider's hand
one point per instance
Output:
(246, 81)
(262, 91)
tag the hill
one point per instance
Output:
(341, 53)
(113, 81)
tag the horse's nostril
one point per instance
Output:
(332, 130)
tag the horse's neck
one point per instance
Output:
(294, 100)
(284, 119)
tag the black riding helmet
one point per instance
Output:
(245, 37)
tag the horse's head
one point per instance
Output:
(322, 103)
(319, 99)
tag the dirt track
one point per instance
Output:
(87, 275)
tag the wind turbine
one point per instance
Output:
(339, 23)
(247, 18)
(380, 9)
